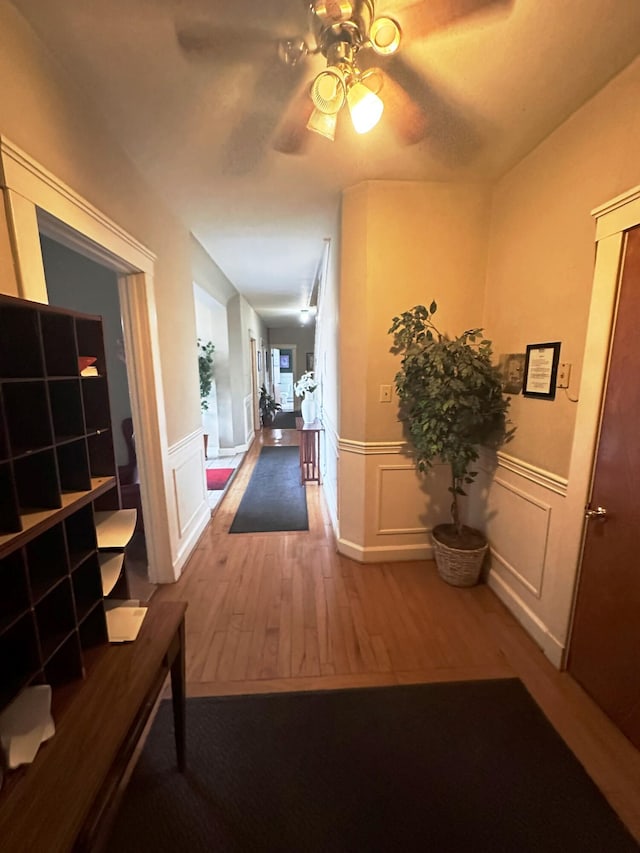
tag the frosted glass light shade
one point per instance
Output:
(365, 106)
(323, 123)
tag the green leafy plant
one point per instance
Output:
(205, 367)
(451, 398)
(268, 406)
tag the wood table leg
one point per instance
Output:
(179, 697)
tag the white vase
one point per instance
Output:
(308, 408)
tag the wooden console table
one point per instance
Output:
(66, 798)
(309, 450)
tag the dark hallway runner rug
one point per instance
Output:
(274, 499)
(286, 420)
(467, 767)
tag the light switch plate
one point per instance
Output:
(385, 394)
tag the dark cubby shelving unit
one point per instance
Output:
(57, 467)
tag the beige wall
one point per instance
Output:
(403, 246)
(542, 251)
(404, 243)
(46, 114)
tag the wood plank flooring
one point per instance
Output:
(284, 611)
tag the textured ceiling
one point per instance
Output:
(200, 126)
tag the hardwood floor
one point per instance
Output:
(285, 611)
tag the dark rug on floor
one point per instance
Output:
(274, 499)
(286, 420)
(217, 478)
(468, 766)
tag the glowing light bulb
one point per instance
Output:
(365, 106)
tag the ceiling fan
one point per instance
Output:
(348, 35)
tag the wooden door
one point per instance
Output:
(604, 653)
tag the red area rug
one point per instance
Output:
(217, 478)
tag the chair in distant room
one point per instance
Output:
(128, 475)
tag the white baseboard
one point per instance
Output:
(380, 554)
(534, 626)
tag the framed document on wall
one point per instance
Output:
(541, 370)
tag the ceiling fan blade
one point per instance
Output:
(421, 19)
(453, 133)
(201, 40)
(407, 116)
(291, 135)
(273, 93)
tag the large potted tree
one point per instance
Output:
(451, 403)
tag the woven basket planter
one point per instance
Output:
(456, 566)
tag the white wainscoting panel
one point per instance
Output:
(188, 500)
(387, 509)
(398, 510)
(513, 516)
(522, 508)
(249, 430)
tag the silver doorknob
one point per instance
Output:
(598, 512)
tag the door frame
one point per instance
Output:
(612, 220)
(37, 201)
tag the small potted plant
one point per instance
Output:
(305, 387)
(451, 402)
(205, 369)
(268, 407)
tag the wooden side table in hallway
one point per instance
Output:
(309, 450)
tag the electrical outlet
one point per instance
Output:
(385, 394)
(564, 372)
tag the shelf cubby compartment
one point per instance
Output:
(19, 660)
(55, 618)
(14, 600)
(73, 466)
(93, 628)
(46, 561)
(95, 396)
(59, 341)
(90, 341)
(87, 586)
(102, 461)
(27, 414)
(20, 346)
(37, 482)
(81, 535)
(9, 510)
(66, 409)
(65, 664)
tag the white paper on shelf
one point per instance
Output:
(110, 569)
(25, 724)
(123, 623)
(115, 528)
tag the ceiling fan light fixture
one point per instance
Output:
(328, 91)
(323, 123)
(365, 107)
(385, 35)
